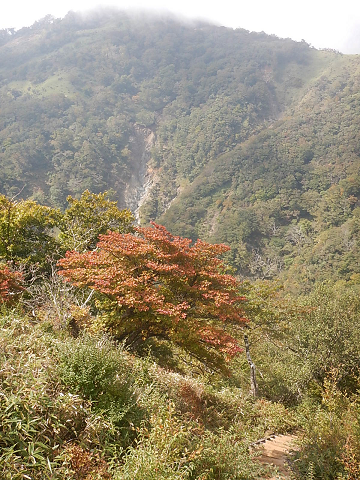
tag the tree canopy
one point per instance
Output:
(26, 230)
(154, 284)
(231, 136)
(88, 217)
(31, 233)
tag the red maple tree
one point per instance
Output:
(9, 284)
(155, 284)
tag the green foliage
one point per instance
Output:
(296, 342)
(33, 425)
(118, 416)
(284, 199)
(256, 147)
(95, 369)
(33, 236)
(90, 368)
(328, 336)
(224, 457)
(26, 231)
(98, 371)
(160, 452)
(254, 135)
(330, 446)
(173, 452)
(36, 418)
(46, 429)
(88, 217)
(211, 444)
(85, 408)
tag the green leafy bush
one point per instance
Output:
(96, 369)
(330, 446)
(92, 367)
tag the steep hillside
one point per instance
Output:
(134, 358)
(229, 135)
(287, 198)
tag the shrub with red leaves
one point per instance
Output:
(10, 285)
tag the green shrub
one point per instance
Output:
(92, 367)
(224, 456)
(83, 408)
(330, 446)
(161, 451)
(98, 370)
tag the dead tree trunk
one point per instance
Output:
(254, 387)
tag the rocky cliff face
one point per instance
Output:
(141, 178)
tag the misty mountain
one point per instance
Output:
(222, 134)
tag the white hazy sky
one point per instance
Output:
(322, 23)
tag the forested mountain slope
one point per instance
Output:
(286, 199)
(122, 353)
(232, 136)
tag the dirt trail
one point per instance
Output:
(275, 451)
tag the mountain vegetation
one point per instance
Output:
(178, 203)
(77, 404)
(221, 134)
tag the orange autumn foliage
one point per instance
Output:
(157, 284)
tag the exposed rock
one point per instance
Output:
(141, 178)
